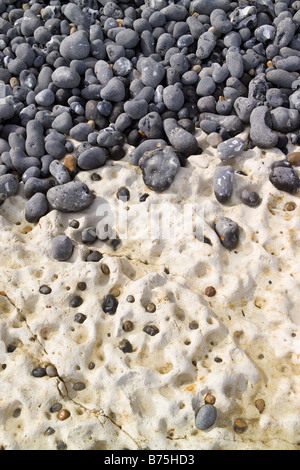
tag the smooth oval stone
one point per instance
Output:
(36, 207)
(76, 46)
(59, 171)
(230, 148)
(173, 97)
(74, 196)
(113, 91)
(152, 72)
(64, 77)
(250, 198)
(92, 158)
(159, 168)
(223, 183)
(228, 232)
(285, 179)
(62, 248)
(206, 417)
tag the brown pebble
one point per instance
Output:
(71, 164)
(260, 404)
(240, 425)
(73, 30)
(81, 286)
(92, 123)
(125, 346)
(151, 307)
(14, 82)
(210, 399)
(294, 158)
(210, 291)
(105, 269)
(289, 206)
(128, 326)
(63, 414)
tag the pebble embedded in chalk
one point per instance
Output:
(206, 417)
(62, 248)
(228, 232)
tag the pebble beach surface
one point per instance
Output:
(149, 225)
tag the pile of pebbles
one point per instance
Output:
(144, 73)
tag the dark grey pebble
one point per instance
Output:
(280, 78)
(76, 301)
(136, 109)
(35, 185)
(123, 194)
(261, 132)
(206, 417)
(250, 198)
(55, 148)
(276, 97)
(152, 72)
(285, 179)
(109, 137)
(64, 77)
(284, 32)
(44, 289)
(234, 61)
(110, 304)
(230, 148)
(78, 386)
(94, 257)
(206, 44)
(284, 119)
(145, 146)
(80, 318)
(59, 171)
(81, 131)
(151, 330)
(173, 97)
(34, 143)
(92, 158)
(63, 123)
(223, 183)
(21, 162)
(151, 125)
(39, 372)
(258, 88)
(128, 38)
(70, 197)
(9, 185)
(45, 98)
(122, 66)
(36, 207)
(232, 124)
(182, 140)
(32, 172)
(75, 46)
(6, 110)
(159, 168)
(62, 248)
(125, 346)
(228, 232)
(89, 235)
(114, 90)
(206, 86)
